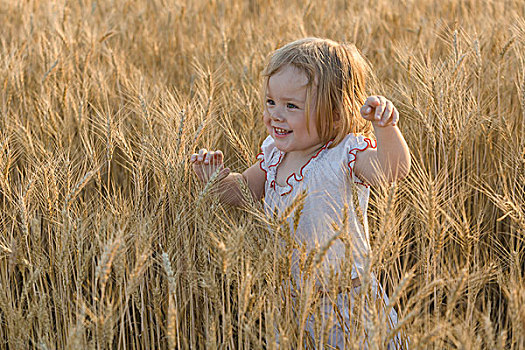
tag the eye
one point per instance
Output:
(270, 102)
(291, 106)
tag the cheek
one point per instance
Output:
(266, 117)
(312, 126)
(267, 120)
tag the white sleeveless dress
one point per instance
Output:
(330, 183)
(328, 178)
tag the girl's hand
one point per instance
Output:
(380, 111)
(206, 163)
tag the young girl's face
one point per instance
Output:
(285, 112)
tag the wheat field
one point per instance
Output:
(107, 240)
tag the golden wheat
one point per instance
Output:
(107, 240)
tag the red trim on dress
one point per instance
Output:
(272, 184)
(301, 171)
(261, 161)
(369, 143)
(278, 160)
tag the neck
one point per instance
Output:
(305, 154)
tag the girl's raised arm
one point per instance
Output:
(391, 160)
(228, 186)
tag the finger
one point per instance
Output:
(202, 154)
(197, 169)
(380, 108)
(213, 157)
(365, 110)
(373, 101)
(208, 157)
(205, 172)
(387, 113)
(224, 173)
(218, 157)
(395, 117)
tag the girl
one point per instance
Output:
(318, 119)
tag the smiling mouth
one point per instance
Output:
(280, 131)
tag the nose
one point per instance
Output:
(276, 118)
(276, 114)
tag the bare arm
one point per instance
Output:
(391, 160)
(228, 186)
(230, 189)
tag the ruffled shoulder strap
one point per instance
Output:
(354, 143)
(269, 156)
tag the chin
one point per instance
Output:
(282, 148)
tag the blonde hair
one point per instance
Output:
(338, 73)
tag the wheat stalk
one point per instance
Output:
(135, 88)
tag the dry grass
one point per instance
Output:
(107, 241)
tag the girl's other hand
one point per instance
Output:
(380, 111)
(206, 163)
